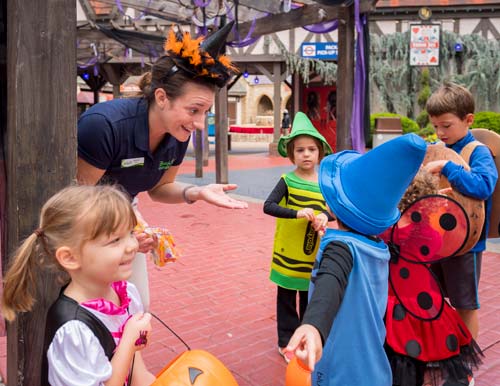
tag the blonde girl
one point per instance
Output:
(96, 328)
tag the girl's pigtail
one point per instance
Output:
(20, 280)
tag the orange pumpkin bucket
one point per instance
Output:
(297, 374)
(195, 368)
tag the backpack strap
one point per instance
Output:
(468, 149)
(64, 310)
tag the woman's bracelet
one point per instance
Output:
(184, 196)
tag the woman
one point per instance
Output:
(140, 142)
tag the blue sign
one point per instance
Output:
(316, 50)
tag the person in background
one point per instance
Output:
(139, 143)
(343, 326)
(96, 328)
(285, 123)
(301, 214)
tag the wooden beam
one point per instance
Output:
(345, 78)
(41, 149)
(158, 8)
(308, 14)
(221, 129)
(271, 6)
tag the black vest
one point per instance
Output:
(63, 310)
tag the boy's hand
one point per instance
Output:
(306, 344)
(306, 213)
(136, 331)
(435, 167)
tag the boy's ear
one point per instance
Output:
(67, 259)
(469, 118)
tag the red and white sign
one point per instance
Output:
(424, 44)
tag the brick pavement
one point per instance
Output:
(218, 297)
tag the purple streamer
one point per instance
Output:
(201, 3)
(122, 11)
(92, 61)
(357, 118)
(321, 28)
(248, 40)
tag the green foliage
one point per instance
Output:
(422, 119)
(477, 68)
(425, 77)
(423, 95)
(487, 120)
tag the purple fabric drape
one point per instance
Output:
(248, 40)
(201, 3)
(321, 28)
(358, 102)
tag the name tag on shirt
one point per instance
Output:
(131, 162)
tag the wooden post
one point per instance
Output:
(221, 172)
(277, 100)
(41, 148)
(198, 151)
(345, 77)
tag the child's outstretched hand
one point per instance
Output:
(306, 213)
(306, 344)
(136, 331)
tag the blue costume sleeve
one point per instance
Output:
(330, 286)
(95, 140)
(479, 182)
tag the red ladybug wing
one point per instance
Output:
(432, 228)
(416, 289)
(425, 340)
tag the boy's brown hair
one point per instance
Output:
(450, 98)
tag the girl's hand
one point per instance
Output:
(147, 241)
(306, 213)
(215, 194)
(136, 331)
(320, 223)
(306, 344)
(435, 167)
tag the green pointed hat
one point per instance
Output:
(302, 126)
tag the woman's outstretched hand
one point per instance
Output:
(215, 194)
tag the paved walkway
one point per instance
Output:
(218, 297)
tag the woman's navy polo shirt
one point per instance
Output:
(114, 136)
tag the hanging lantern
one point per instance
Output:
(256, 80)
(195, 368)
(245, 73)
